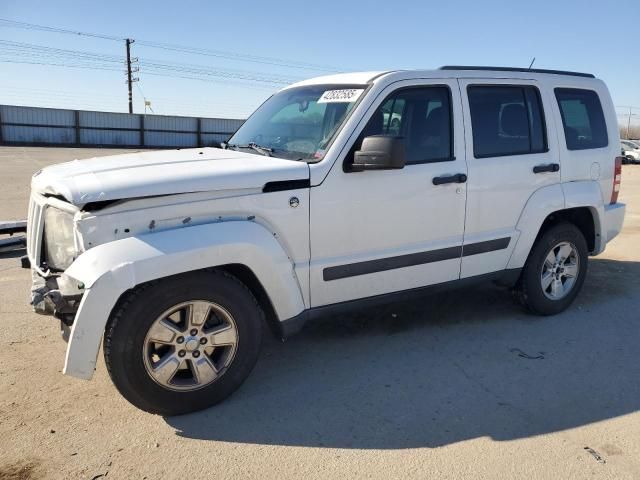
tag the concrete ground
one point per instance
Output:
(459, 385)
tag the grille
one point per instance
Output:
(35, 227)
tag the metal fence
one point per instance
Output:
(52, 126)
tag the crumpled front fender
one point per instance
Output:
(109, 270)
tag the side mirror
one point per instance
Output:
(379, 152)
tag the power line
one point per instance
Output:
(177, 48)
(20, 47)
(58, 64)
(31, 26)
(238, 56)
(18, 52)
(156, 74)
(225, 79)
(30, 54)
(26, 49)
(22, 50)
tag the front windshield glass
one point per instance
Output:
(297, 123)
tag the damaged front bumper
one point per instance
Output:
(57, 295)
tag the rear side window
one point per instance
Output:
(506, 120)
(582, 118)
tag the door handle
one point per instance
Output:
(551, 167)
(458, 178)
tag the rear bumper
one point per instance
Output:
(613, 220)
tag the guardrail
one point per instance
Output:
(21, 125)
(14, 226)
(10, 228)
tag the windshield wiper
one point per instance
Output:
(253, 146)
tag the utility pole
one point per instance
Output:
(629, 123)
(130, 78)
(129, 42)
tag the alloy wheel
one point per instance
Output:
(560, 270)
(190, 345)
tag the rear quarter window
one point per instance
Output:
(582, 118)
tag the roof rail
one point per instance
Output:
(513, 69)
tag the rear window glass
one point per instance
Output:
(582, 118)
(506, 120)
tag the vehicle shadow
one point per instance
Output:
(451, 367)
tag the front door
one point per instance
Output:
(377, 232)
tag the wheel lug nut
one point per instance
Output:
(203, 340)
(181, 353)
(180, 340)
(194, 332)
(196, 354)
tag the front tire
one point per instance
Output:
(555, 270)
(183, 343)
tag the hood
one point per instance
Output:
(134, 175)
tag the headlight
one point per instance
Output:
(59, 246)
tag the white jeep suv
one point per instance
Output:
(338, 192)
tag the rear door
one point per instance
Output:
(511, 153)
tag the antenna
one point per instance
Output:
(531, 64)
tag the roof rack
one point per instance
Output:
(512, 69)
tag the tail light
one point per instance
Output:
(617, 179)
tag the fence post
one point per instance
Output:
(77, 117)
(199, 132)
(1, 141)
(142, 130)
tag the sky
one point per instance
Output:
(273, 43)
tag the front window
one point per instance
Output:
(422, 117)
(298, 123)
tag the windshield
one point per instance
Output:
(298, 123)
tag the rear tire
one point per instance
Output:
(183, 343)
(555, 270)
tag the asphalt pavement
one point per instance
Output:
(462, 384)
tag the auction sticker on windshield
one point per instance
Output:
(347, 95)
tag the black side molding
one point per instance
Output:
(283, 185)
(390, 263)
(420, 258)
(485, 247)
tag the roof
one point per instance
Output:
(363, 78)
